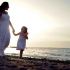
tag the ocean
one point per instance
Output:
(37, 52)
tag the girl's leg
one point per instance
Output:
(21, 52)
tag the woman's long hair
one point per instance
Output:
(3, 7)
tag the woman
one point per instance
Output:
(4, 27)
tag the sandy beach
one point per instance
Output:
(26, 63)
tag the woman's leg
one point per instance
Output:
(1, 52)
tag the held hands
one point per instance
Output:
(13, 31)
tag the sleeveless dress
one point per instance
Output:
(21, 44)
(4, 33)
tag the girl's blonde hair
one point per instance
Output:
(24, 29)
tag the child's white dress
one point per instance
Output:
(4, 32)
(21, 44)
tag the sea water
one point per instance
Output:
(42, 52)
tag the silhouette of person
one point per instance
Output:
(23, 35)
(4, 27)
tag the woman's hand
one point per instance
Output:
(13, 30)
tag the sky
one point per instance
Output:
(48, 21)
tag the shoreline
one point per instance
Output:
(51, 53)
(27, 63)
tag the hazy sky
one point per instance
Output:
(48, 21)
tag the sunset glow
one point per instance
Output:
(47, 22)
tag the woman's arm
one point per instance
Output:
(12, 27)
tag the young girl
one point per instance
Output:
(23, 35)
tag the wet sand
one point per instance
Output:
(26, 63)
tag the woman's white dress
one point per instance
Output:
(4, 32)
(21, 44)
